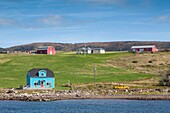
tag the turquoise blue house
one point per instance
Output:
(40, 79)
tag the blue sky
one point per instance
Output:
(75, 21)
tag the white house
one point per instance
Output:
(84, 50)
(88, 50)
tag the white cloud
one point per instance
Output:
(103, 1)
(162, 34)
(52, 20)
(106, 1)
(163, 18)
(103, 14)
(6, 22)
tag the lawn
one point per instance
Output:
(75, 68)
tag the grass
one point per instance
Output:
(66, 66)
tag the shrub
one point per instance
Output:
(134, 61)
(165, 81)
(150, 61)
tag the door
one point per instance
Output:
(51, 52)
(141, 50)
(42, 83)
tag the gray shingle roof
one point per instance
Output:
(43, 48)
(84, 48)
(88, 48)
(34, 72)
(97, 49)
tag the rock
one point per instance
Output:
(126, 90)
(10, 91)
(140, 90)
(78, 95)
(166, 90)
(159, 90)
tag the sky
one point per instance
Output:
(79, 21)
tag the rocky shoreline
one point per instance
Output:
(52, 95)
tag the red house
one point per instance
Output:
(46, 50)
(146, 48)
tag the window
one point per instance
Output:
(48, 83)
(42, 73)
(35, 83)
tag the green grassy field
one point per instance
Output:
(75, 68)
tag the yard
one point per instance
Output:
(71, 67)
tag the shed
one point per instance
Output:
(145, 48)
(38, 78)
(3, 51)
(46, 50)
(98, 50)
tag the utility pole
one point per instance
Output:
(85, 49)
(121, 51)
(94, 74)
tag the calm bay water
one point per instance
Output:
(86, 106)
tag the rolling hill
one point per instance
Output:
(108, 46)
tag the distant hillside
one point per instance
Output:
(108, 46)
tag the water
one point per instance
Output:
(86, 106)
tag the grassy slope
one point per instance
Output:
(76, 68)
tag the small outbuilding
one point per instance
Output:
(40, 79)
(98, 50)
(145, 48)
(3, 51)
(46, 50)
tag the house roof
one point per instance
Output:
(145, 46)
(34, 72)
(43, 48)
(85, 48)
(97, 49)
(88, 48)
